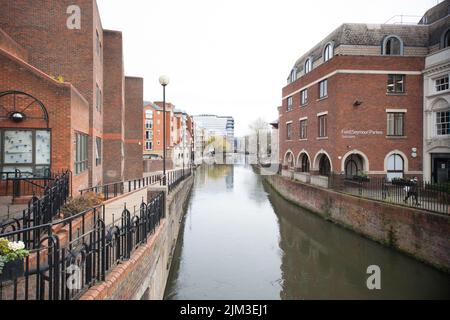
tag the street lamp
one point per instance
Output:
(164, 81)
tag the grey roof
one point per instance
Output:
(364, 34)
(436, 13)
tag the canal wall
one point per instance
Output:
(144, 275)
(420, 234)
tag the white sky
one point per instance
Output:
(231, 57)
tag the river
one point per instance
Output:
(241, 240)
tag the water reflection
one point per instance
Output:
(241, 240)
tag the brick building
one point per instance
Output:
(353, 104)
(84, 109)
(179, 133)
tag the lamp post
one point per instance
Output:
(164, 81)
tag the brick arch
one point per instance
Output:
(286, 158)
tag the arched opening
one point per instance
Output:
(328, 52)
(354, 165)
(289, 160)
(308, 65)
(446, 39)
(303, 163)
(393, 45)
(395, 166)
(324, 165)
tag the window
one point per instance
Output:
(396, 83)
(304, 97)
(323, 89)
(81, 152)
(26, 150)
(289, 131)
(393, 46)
(289, 104)
(293, 75)
(148, 145)
(328, 52)
(303, 129)
(98, 151)
(98, 43)
(148, 124)
(395, 166)
(323, 126)
(442, 83)
(148, 135)
(148, 114)
(99, 98)
(443, 122)
(446, 40)
(308, 65)
(395, 124)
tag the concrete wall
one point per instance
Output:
(145, 274)
(420, 234)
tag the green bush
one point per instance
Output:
(442, 187)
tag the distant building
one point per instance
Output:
(214, 125)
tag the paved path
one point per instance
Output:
(113, 210)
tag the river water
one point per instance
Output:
(241, 240)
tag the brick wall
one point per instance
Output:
(134, 101)
(114, 106)
(152, 165)
(417, 233)
(145, 274)
(343, 90)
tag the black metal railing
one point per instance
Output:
(64, 267)
(424, 195)
(20, 183)
(113, 190)
(43, 209)
(174, 177)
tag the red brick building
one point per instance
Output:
(64, 40)
(353, 104)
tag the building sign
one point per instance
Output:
(351, 134)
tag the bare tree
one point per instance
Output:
(258, 128)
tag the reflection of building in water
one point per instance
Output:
(229, 179)
(321, 260)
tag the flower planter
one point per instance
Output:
(12, 270)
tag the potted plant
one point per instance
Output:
(361, 177)
(11, 259)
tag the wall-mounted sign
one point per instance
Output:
(351, 134)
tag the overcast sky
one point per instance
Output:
(231, 57)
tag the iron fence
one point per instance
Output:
(63, 267)
(176, 176)
(424, 195)
(21, 183)
(113, 190)
(42, 210)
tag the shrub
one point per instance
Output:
(81, 203)
(10, 251)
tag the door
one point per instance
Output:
(442, 170)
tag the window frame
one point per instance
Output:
(290, 103)
(323, 89)
(322, 121)
(289, 131)
(329, 48)
(395, 82)
(308, 66)
(303, 129)
(304, 97)
(393, 131)
(442, 124)
(385, 44)
(444, 84)
(81, 152)
(98, 151)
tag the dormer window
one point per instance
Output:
(293, 75)
(393, 46)
(446, 39)
(308, 65)
(328, 52)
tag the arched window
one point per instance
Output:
(308, 65)
(328, 52)
(446, 39)
(293, 75)
(395, 166)
(393, 46)
(289, 160)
